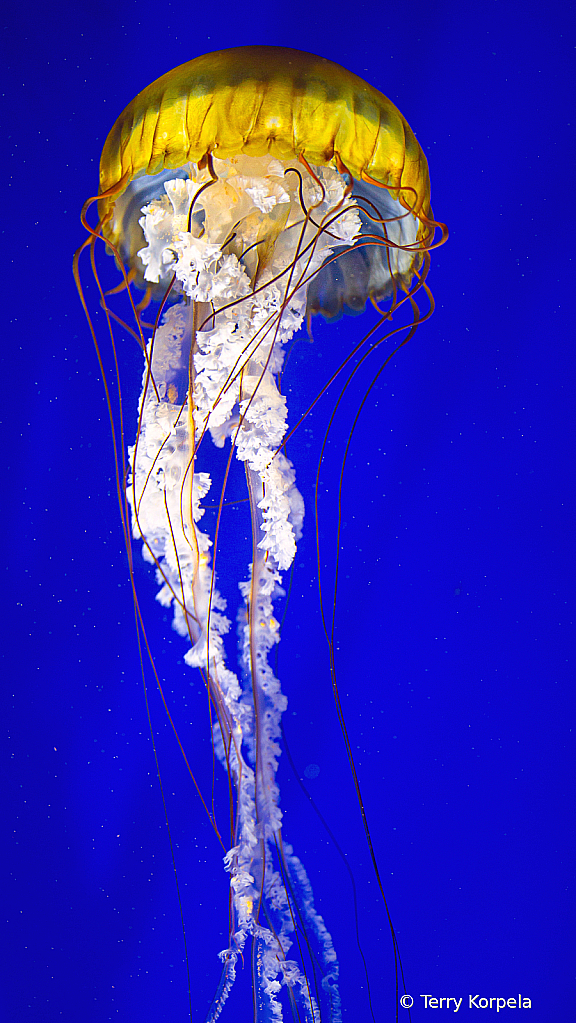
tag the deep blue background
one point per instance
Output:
(455, 608)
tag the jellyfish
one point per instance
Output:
(244, 192)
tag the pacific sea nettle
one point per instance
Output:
(245, 191)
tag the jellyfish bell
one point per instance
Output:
(246, 191)
(260, 101)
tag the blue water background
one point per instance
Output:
(455, 606)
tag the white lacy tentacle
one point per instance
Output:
(240, 250)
